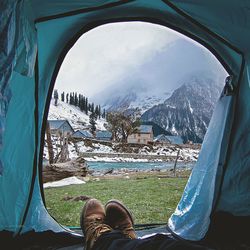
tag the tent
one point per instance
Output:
(35, 37)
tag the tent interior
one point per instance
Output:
(36, 36)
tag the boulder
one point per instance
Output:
(57, 171)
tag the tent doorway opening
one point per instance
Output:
(129, 111)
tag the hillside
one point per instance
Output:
(77, 118)
(153, 81)
(188, 111)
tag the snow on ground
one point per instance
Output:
(186, 154)
(64, 182)
(75, 150)
(189, 154)
(81, 148)
(76, 118)
(96, 148)
(114, 159)
(79, 120)
(72, 151)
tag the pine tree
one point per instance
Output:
(104, 114)
(92, 107)
(70, 98)
(76, 100)
(86, 105)
(73, 98)
(99, 111)
(92, 121)
(67, 98)
(56, 96)
(79, 101)
(62, 96)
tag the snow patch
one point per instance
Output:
(114, 159)
(190, 108)
(64, 182)
(76, 118)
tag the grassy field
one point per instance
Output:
(150, 198)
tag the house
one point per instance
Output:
(157, 130)
(175, 139)
(60, 127)
(103, 135)
(162, 139)
(144, 135)
(82, 134)
(168, 139)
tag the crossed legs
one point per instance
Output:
(97, 220)
(112, 228)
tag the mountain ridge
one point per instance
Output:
(155, 80)
(188, 111)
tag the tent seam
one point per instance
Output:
(34, 174)
(197, 23)
(85, 10)
(90, 26)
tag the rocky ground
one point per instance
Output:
(97, 150)
(81, 152)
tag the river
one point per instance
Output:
(137, 166)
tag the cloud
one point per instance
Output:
(107, 53)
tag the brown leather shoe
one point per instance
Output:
(92, 222)
(119, 218)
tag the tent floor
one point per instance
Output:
(140, 233)
(226, 231)
(52, 241)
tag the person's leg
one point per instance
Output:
(119, 218)
(99, 235)
(92, 222)
(116, 240)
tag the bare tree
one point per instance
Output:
(49, 143)
(112, 124)
(121, 125)
(63, 155)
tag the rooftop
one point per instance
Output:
(103, 134)
(145, 128)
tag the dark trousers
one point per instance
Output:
(117, 241)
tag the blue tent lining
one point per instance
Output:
(71, 43)
(207, 23)
(91, 26)
(233, 127)
(182, 13)
(156, 21)
(85, 10)
(36, 150)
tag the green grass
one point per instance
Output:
(151, 199)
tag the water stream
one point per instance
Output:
(137, 166)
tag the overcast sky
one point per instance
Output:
(107, 53)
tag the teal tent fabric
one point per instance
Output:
(36, 36)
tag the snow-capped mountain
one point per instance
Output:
(177, 89)
(189, 109)
(154, 81)
(76, 118)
